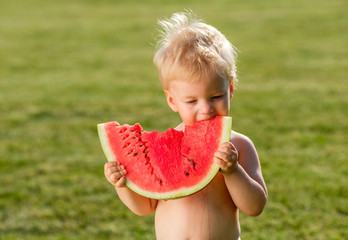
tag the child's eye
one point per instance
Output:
(191, 101)
(217, 97)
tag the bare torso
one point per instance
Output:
(208, 214)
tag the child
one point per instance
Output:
(196, 66)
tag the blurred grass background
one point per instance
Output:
(67, 65)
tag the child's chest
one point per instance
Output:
(209, 212)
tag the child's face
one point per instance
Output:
(199, 100)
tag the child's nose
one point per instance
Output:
(206, 107)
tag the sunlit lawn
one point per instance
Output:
(67, 65)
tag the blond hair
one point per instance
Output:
(190, 49)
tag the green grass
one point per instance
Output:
(67, 65)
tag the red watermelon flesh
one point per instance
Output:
(170, 164)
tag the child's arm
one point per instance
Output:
(116, 175)
(242, 171)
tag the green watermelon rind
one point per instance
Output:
(105, 143)
(182, 192)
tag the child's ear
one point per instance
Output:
(231, 89)
(170, 101)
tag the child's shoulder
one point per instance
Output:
(236, 136)
(241, 141)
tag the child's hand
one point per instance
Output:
(115, 173)
(227, 158)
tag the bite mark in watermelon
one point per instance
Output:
(166, 165)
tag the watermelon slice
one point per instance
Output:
(166, 165)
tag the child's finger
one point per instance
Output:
(225, 157)
(226, 167)
(120, 167)
(228, 147)
(108, 165)
(111, 171)
(114, 177)
(223, 165)
(112, 164)
(120, 182)
(230, 150)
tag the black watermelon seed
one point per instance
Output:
(186, 173)
(160, 181)
(135, 154)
